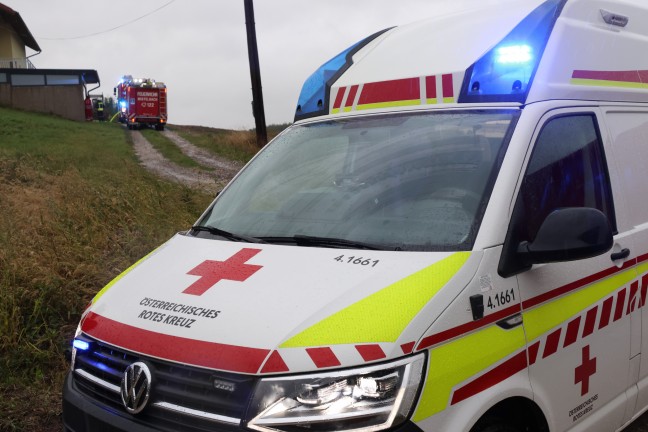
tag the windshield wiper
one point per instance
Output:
(228, 235)
(306, 240)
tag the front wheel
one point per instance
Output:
(497, 424)
(499, 428)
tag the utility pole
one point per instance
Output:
(255, 73)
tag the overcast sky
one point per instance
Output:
(199, 47)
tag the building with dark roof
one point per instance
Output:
(58, 91)
(15, 38)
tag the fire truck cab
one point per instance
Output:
(141, 101)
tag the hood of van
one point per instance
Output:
(259, 308)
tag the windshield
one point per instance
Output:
(401, 182)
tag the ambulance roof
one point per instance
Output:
(484, 51)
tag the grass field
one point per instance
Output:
(75, 210)
(235, 145)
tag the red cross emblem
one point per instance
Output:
(583, 372)
(212, 272)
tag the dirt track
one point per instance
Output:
(210, 181)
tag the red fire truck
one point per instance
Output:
(141, 101)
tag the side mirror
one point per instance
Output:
(568, 234)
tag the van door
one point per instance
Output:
(577, 329)
(628, 129)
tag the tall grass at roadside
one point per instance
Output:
(75, 210)
(231, 144)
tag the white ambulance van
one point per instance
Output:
(453, 236)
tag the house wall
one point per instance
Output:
(11, 46)
(65, 101)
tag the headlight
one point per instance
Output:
(365, 399)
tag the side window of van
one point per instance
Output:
(567, 169)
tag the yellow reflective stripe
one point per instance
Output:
(389, 104)
(382, 317)
(541, 319)
(607, 83)
(448, 100)
(456, 361)
(642, 268)
(117, 279)
(432, 101)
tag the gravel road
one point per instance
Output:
(222, 170)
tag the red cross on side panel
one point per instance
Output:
(583, 372)
(212, 272)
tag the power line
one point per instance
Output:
(111, 29)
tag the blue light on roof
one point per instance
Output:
(505, 73)
(314, 97)
(80, 344)
(514, 54)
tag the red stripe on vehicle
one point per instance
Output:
(352, 95)
(641, 258)
(620, 303)
(590, 321)
(174, 348)
(632, 302)
(572, 286)
(533, 352)
(470, 326)
(572, 331)
(452, 333)
(430, 87)
(323, 357)
(606, 311)
(408, 347)
(446, 84)
(371, 352)
(510, 367)
(275, 364)
(339, 97)
(391, 91)
(634, 76)
(644, 290)
(551, 345)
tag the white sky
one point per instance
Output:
(199, 47)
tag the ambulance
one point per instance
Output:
(453, 236)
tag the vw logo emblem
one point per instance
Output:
(136, 387)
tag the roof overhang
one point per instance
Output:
(15, 20)
(87, 76)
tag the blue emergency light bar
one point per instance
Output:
(505, 73)
(314, 97)
(81, 344)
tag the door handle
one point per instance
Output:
(623, 253)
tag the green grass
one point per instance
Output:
(169, 150)
(235, 145)
(75, 210)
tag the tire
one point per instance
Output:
(500, 428)
(159, 127)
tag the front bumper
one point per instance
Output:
(81, 414)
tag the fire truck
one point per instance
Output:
(141, 102)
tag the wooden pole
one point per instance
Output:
(255, 74)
